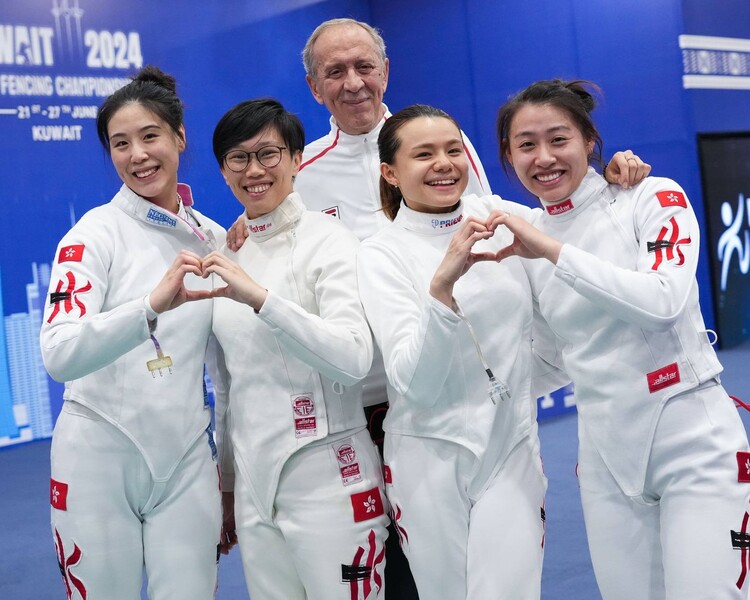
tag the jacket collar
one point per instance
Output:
(285, 215)
(430, 223)
(591, 186)
(347, 139)
(142, 210)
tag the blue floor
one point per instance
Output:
(28, 568)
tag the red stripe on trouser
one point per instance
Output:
(377, 579)
(743, 555)
(366, 584)
(353, 585)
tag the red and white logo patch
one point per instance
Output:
(303, 405)
(662, 378)
(743, 467)
(66, 563)
(332, 210)
(68, 297)
(348, 464)
(387, 476)
(671, 198)
(667, 247)
(72, 253)
(367, 505)
(346, 454)
(560, 208)
(305, 423)
(58, 494)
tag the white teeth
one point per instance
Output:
(549, 176)
(442, 182)
(141, 174)
(258, 189)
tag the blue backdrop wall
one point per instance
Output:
(59, 58)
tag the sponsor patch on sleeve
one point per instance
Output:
(672, 198)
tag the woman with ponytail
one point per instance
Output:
(463, 471)
(663, 455)
(134, 481)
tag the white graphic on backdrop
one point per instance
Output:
(47, 99)
(730, 242)
(68, 11)
(711, 62)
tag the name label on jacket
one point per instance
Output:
(662, 378)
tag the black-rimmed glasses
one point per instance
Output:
(238, 160)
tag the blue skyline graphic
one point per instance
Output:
(26, 411)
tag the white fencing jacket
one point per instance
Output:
(294, 367)
(438, 387)
(95, 333)
(623, 304)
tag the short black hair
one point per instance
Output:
(247, 119)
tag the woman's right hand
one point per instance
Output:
(171, 292)
(237, 234)
(459, 258)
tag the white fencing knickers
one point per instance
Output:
(687, 537)
(461, 547)
(326, 537)
(110, 517)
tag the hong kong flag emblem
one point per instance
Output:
(71, 253)
(671, 198)
(743, 467)
(367, 505)
(58, 494)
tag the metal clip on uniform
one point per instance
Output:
(161, 361)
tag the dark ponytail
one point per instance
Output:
(152, 88)
(575, 98)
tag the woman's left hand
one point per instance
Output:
(240, 286)
(626, 169)
(459, 258)
(528, 241)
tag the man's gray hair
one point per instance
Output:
(307, 51)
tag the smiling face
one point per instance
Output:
(430, 165)
(350, 77)
(146, 153)
(261, 189)
(548, 151)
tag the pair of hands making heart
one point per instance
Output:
(171, 292)
(528, 242)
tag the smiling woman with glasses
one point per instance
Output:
(301, 479)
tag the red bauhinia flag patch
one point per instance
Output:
(743, 467)
(671, 198)
(72, 253)
(58, 494)
(367, 505)
(387, 476)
